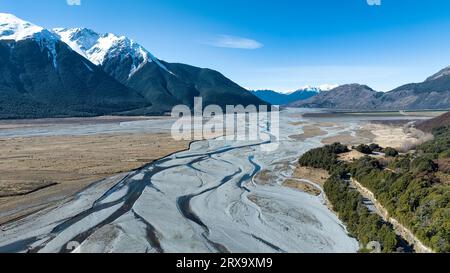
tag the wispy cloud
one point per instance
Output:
(228, 41)
(73, 2)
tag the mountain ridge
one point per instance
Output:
(277, 98)
(96, 74)
(434, 123)
(40, 76)
(162, 83)
(433, 93)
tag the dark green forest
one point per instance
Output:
(413, 187)
(348, 203)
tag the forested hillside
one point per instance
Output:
(413, 187)
(347, 202)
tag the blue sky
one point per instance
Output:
(281, 45)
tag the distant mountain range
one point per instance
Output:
(78, 72)
(433, 93)
(278, 98)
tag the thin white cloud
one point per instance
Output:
(228, 41)
(73, 2)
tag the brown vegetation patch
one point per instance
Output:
(344, 138)
(443, 177)
(351, 156)
(309, 131)
(326, 124)
(30, 123)
(366, 134)
(35, 170)
(264, 177)
(297, 123)
(444, 165)
(314, 175)
(12, 188)
(302, 186)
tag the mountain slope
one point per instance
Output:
(433, 93)
(186, 82)
(40, 76)
(442, 73)
(350, 96)
(434, 123)
(276, 98)
(164, 84)
(117, 55)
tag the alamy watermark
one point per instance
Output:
(374, 2)
(255, 123)
(73, 2)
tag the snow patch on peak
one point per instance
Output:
(327, 87)
(98, 48)
(79, 39)
(319, 88)
(15, 29)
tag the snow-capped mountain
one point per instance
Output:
(78, 72)
(277, 98)
(41, 76)
(15, 29)
(283, 98)
(102, 49)
(320, 88)
(163, 84)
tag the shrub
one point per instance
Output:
(324, 158)
(390, 152)
(421, 165)
(375, 147)
(365, 149)
(336, 148)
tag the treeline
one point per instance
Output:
(360, 222)
(29, 109)
(325, 157)
(347, 202)
(415, 189)
(372, 148)
(26, 107)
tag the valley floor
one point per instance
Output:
(41, 163)
(216, 196)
